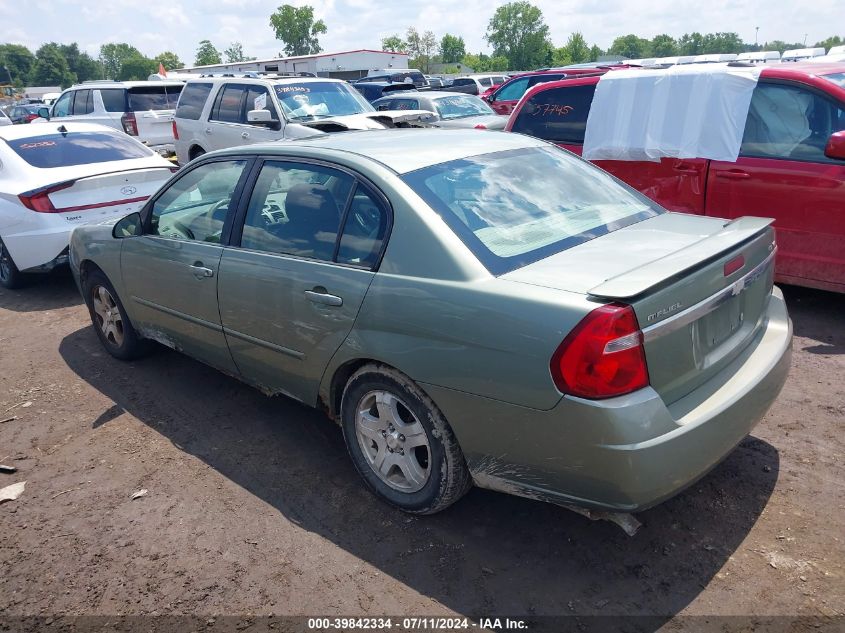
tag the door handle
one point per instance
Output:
(733, 174)
(200, 271)
(320, 295)
(244, 134)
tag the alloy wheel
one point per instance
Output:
(107, 315)
(393, 441)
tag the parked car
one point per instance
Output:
(453, 110)
(399, 75)
(56, 177)
(4, 119)
(373, 90)
(469, 307)
(435, 82)
(476, 84)
(143, 109)
(503, 98)
(218, 112)
(24, 113)
(791, 164)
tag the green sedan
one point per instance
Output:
(471, 308)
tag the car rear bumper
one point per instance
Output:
(627, 453)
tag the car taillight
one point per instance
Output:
(31, 117)
(480, 126)
(130, 125)
(603, 356)
(175, 131)
(39, 200)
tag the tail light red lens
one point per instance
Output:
(603, 356)
(39, 199)
(130, 124)
(175, 131)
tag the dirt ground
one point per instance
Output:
(254, 508)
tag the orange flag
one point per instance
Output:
(161, 70)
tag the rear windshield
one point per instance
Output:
(77, 148)
(154, 98)
(516, 207)
(557, 114)
(459, 106)
(317, 99)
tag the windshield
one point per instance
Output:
(460, 106)
(77, 148)
(315, 100)
(509, 212)
(836, 78)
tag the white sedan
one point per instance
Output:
(57, 176)
(4, 119)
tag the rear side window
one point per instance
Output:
(513, 91)
(77, 148)
(82, 102)
(192, 100)
(153, 98)
(114, 99)
(227, 107)
(406, 104)
(558, 114)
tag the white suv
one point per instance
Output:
(143, 109)
(219, 112)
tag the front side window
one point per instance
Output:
(558, 114)
(63, 105)
(789, 122)
(195, 206)
(257, 98)
(459, 106)
(513, 91)
(316, 99)
(77, 148)
(510, 212)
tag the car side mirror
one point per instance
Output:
(835, 147)
(44, 113)
(259, 117)
(130, 226)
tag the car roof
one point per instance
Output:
(403, 150)
(15, 132)
(259, 80)
(123, 84)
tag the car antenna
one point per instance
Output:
(63, 130)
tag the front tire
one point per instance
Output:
(109, 318)
(400, 442)
(10, 276)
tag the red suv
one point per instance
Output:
(504, 98)
(799, 179)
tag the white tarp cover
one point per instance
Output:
(689, 111)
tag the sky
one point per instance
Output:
(179, 25)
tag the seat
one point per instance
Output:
(313, 220)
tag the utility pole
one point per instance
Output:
(756, 33)
(805, 39)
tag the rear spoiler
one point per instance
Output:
(637, 281)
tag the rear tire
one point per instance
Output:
(10, 276)
(400, 442)
(109, 318)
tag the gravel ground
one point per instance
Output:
(254, 508)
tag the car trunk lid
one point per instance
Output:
(154, 107)
(699, 287)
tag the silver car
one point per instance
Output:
(454, 110)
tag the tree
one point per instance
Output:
(80, 63)
(560, 57)
(112, 57)
(51, 68)
(630, 47)
(595, 53)
(664, 46)
(421, 48)
(831, 41)
(452, 48)
(169, 60)
(691, 44)
(19, 60)
(723, 43)
(137, 68)
(235, 53)
(484, 63)
(207, 54)
(576, 49)
(394, 44)
(517, 31)
(295, 26)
